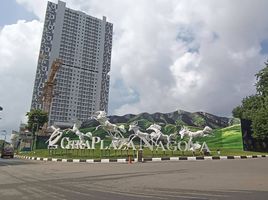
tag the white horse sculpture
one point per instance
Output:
(157, 134)
(186, 132)
(172, 137)
(137, 133)
(81, 135)
(112, 129)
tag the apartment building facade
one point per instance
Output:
(84, 44)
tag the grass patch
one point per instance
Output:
(226, 138)
(102, 154)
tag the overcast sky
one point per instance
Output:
(167, 54)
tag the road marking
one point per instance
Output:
(121, 160)
(174, 158)
(156, 159)
(207, 158)
(191, 158)
(105, 160)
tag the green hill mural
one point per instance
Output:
(226, 132)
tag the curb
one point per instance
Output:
(125, 160)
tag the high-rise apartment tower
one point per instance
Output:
(84, 45)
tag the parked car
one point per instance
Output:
(7, 151)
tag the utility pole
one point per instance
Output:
(1, 108)
(34, 130)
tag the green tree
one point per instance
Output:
(36, 119)
(260, 124)
(249, 106)
(237, 112)
(255, 107)
(262, 81)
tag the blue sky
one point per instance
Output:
(167, 55)
(11, 12)
(264, 46)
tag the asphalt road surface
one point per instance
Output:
(215, 179)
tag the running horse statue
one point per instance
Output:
(137, 133)
(157, 134)
(143, 136)
(201, 133)
(112, 129)
(77, 132)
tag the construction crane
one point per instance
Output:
(49, 85)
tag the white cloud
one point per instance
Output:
(166, 54)
(190, 55)
(37, 7)
(18, 54)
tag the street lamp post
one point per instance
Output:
(34, 129)
(4, 133)
(1, 108)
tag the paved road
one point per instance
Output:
(217, 179)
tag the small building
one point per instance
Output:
(25, 138)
